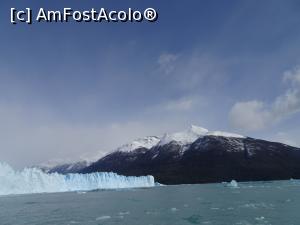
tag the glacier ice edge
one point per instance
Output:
(33, 180)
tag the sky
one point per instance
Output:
(71, 91)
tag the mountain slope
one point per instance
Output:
(208, 159)
(64, 168)
(197, 155)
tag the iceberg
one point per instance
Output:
(34, 180)
(233, 184)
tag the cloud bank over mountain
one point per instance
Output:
(256, 114)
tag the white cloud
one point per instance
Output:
(255, 115)
(285, 138)
(167, 61)
(287, 104)
(183, 104)
(29, 135)
(192, 71)
(250, 115)
(293, 76)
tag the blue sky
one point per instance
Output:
(74, 90)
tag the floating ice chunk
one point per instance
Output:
(174, 209)
(124, 213)
(233, 184)
(103, 217)
(260, 218)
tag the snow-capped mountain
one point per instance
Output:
(146, 142)
(197, 155)
(63, 167)
(192, 134)
(183, 138)
(200, 156)
(73, 167)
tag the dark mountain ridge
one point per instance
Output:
(209, 158)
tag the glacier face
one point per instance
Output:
(33, 180)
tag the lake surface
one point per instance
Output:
(251, 203)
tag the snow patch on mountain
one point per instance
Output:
(146, 142)
(184, 137)
(224, 134)
(192, 134)
(65, 165)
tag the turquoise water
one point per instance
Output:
(251, 203)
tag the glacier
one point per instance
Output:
(34, 180)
